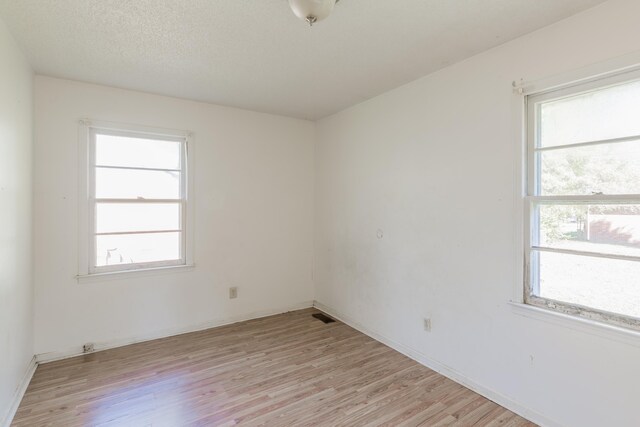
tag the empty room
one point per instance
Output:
(320, 213)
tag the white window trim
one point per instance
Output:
(86, 132)
(591, 77)
(575, 323)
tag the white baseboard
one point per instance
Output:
(419, 357)
(99, 346)
(442, 369)
(17, 397)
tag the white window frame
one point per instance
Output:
(532, 101)
(88, 130)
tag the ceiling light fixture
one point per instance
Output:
(312, 11)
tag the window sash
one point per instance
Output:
(137, 168)
(534, 229)
(182, 211)
(137, 266)
(93, 201)
(587, 143)
(533, 199)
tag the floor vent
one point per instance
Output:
(324, 318)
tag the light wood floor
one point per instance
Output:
(285, 370)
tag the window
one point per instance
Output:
(583, 200)
(136, 200)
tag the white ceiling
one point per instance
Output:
(255, 54)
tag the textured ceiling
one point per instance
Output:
(255, 54)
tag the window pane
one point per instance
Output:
(137, 248)
(137, 152)
(606, 168)
(599, 283)
(133, 184)
(122, 217)
(603, 114)
(610, 229)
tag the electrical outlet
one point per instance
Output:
(233, 292)
(88, 348)
(426, 324)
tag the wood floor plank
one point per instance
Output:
(285, 370)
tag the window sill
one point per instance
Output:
(616, 333)
(143, 272)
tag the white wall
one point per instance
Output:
(16, 290)
(433, 164)
(253, 220)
